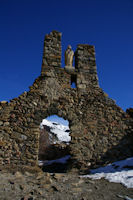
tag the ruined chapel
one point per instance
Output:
(101, 131)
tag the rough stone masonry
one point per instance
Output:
(101, 131)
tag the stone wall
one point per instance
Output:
(52, 50)
(101, 131)
(86, 66)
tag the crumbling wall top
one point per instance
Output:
(85, 71)
(52, 50)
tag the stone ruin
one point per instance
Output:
(101, 131)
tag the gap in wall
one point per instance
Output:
(54, 144)
(73, 81)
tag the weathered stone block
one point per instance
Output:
(1, 123)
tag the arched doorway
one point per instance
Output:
(54, 151)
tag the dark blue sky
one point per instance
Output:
(107, 24)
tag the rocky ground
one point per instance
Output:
(58, 186)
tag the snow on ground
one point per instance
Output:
(62, 160)
(60, 130)
(118, 172)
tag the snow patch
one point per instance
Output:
(118, 172)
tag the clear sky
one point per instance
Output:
(55, 118)
(107, 24)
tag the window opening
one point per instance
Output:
(73, 81)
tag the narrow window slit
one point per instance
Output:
(73, 81)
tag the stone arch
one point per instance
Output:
(39, 114)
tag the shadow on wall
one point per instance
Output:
(120, 151)
(116, 153)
